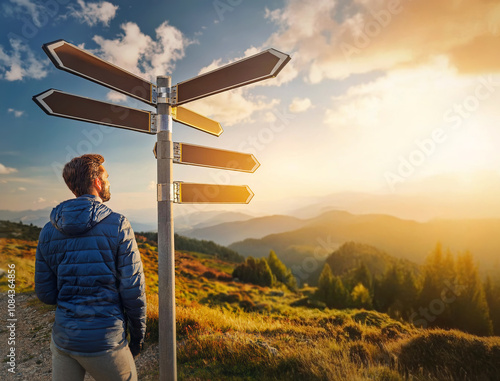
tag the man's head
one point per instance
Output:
(86, 175)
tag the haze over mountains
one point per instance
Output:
(401, 238)
(403, 225)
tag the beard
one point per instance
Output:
(105, 193)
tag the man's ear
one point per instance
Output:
(97, 184)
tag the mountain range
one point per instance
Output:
(309, 245)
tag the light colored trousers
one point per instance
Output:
(116, 365)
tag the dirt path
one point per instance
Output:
(33, 331)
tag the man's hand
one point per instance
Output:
(135, 348)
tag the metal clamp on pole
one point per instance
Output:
(167, 95)
(153, 123)
(163, 194)
(176, 192)
(164, 122)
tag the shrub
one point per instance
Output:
(459, 355)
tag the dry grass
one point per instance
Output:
(232, 331)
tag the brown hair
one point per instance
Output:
(81, 171)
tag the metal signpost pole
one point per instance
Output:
(166, 252)
(167, 100)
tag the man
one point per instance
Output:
(87, 262)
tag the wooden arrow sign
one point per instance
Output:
(72, 59)
(195, 120)
(255, 68)
(58, 103)
(191, 193)
(214, 158)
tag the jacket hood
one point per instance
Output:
(78, 215)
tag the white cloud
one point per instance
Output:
(6, 170)
(269, 117)
(36, 11)
(141, 54)
(152, 185)
(40, 200)
(232, 107)
(21, 189)
(93, 13)
(17, 113)
(300, 105)
(21, 62)
(333, 40)
(431, 109)
(115, 96)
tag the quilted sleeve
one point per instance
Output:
(131, 282)
(45, 279)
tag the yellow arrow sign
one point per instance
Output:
(214, 158)
(195, 120)
(192, 193)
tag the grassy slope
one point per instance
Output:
(232, 331)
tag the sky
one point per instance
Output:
(393, 97)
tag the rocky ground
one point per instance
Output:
(33, 331)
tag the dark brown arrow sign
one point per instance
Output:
(214, 158)
(255, 68)
(192, 193)
(58, 103)
(72, 59)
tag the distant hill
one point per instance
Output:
(400, 238)
(219, 218)
(38, 217)
(196, 220)
(19, 230)
(234, 231)
(351, 254)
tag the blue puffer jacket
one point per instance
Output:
(87, 262)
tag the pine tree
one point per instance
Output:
(470, 310)
(492, 294)
(408, 293)
(438, 273)
(265, 276)
(385, 293)
(360, 297)
(254, 271)
(280, 271)
(363, 275)
(324, 283)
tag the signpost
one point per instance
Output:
(214, 158)
(58, 103)
(256, 68)
(68, 57)
(188, 193)
(200, 122)
(167, 99)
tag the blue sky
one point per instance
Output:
(385, 97)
